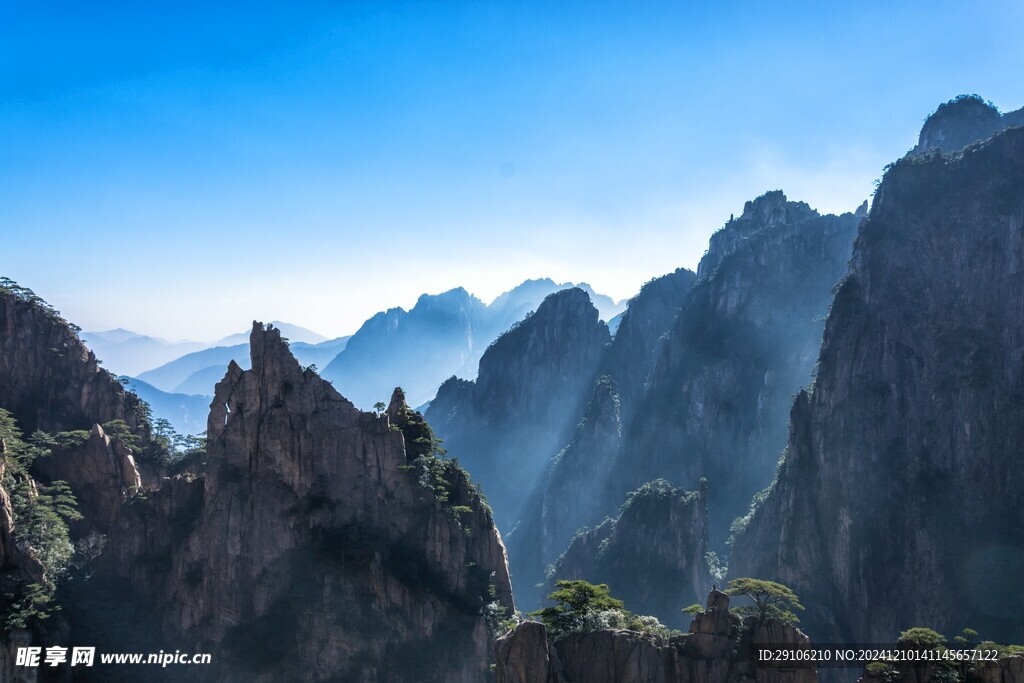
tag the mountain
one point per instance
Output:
(505, 425)
(127, 353)
(63, 418)
(441, 336)
(171, 376)
(899, 500)
(317, 538)
(514, 304)
(696, 383)
(961, 121)
(651, 553)
(308, 536)
(293, 333)
(186, 412)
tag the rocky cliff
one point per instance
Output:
(900, 497)
(698, 381)
(961, 121)
(714, 651)
(651, 555)
(744, 343)
(49, 380)
(323, 542)
(506, 425)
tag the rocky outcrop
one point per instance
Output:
(103, 472)
(716, 650)
(322, 539)
(49, 380)
(899, 500)
(507, 424)
(651, 555)
(961, 121)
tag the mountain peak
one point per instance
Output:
(961, 121)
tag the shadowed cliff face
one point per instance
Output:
(697, 382)
(651, 555)
(900, 500)
(576, 489)
(961, 121)
(745, 342)
(317, 542)
(505, 426)
(49, 380)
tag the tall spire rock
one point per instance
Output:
(319, 540)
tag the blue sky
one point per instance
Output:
(180, 169)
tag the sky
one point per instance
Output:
(180, 169)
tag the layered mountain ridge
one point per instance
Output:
(899, 498)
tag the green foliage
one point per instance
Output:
(41, 516)
(771, 600)
(922, 637)
(967, 635)
(583, 607)
(887, 672)
(119, 429)
(693, 609)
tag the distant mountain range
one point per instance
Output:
(124, 352)
(129, 353)
(442, 336)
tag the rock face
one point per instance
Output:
(322, 540)
(654, 550)
(899, 501)
(651, 555)
(578, 488)
(49, 380)
(103, 472)
(700, 377)
(961, 121)
(745, 342)
(715, 651)
(505, 425)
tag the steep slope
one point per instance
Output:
(321, 540)
(651, 555)
(577, 489)
(900, 497)
(53, 395)
(961, 121)
(505, 425)
(49, 380)
(698, 380)
(745, 342)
